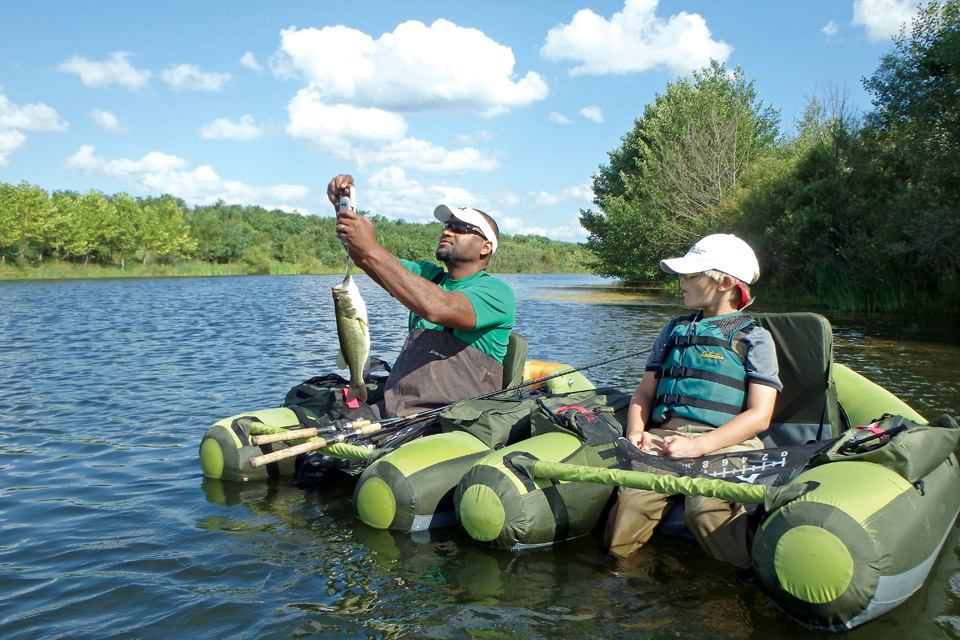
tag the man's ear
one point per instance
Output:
(486, 250)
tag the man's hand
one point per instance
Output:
(338, 187)
(357, 233)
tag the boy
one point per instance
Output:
(710, 385)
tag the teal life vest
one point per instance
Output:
(702, 376)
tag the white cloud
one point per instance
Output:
(15, 119)
(107, 121)
(224, 129)
(366, 135)
(249, 61)
(10, 141)
(569, 231)
(391, 193)
(471, 138)
(314, 120)
(831, 28)
(116, 70)
(634, 40)
(421, 155)
(356, 115)
(441, 67)
(593, 113)
(158, 173)
(558, 118)
(568, 201)
(191, 77)
(577, 195)
(883, 18)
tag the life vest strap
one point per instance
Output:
(690, 372)
(673, 399)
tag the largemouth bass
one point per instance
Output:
(354, 333)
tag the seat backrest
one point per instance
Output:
(807, 409)
(514, 360)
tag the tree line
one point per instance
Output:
(853, 211)
(109, 230)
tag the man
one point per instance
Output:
(460, 319)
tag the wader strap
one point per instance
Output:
(689, 372)
(672, 399)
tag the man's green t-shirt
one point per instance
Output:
(493, 304)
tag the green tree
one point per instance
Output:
(666, 184)
(916, 130)
(89, 221)
(207, 230)
(25, 213)
(128, 215)
(162, 231)
(916, 92)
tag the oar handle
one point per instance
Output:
(297, 434)
(313, 445)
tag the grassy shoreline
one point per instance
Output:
(186, 268)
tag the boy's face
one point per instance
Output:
(699, 291)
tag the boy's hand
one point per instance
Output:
(681, 447)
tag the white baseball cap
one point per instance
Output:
(470, 216)
(724, 252)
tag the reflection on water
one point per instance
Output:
(108, 530)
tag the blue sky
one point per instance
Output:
(509, 107)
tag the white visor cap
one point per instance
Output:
(724, 252)
(470, 216)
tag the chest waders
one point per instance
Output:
(436, 368)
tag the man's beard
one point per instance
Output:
(447, 255)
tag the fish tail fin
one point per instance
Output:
(358, 390)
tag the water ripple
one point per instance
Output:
(107, 529)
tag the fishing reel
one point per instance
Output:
(348, 201)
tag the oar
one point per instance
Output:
(298, 434)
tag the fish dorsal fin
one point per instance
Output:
(341, 363)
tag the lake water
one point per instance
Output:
(108, 530)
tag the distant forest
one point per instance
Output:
(114, 230)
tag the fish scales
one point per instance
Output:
(353, 330)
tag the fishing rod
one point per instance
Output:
(365, 427)
(290, 452)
